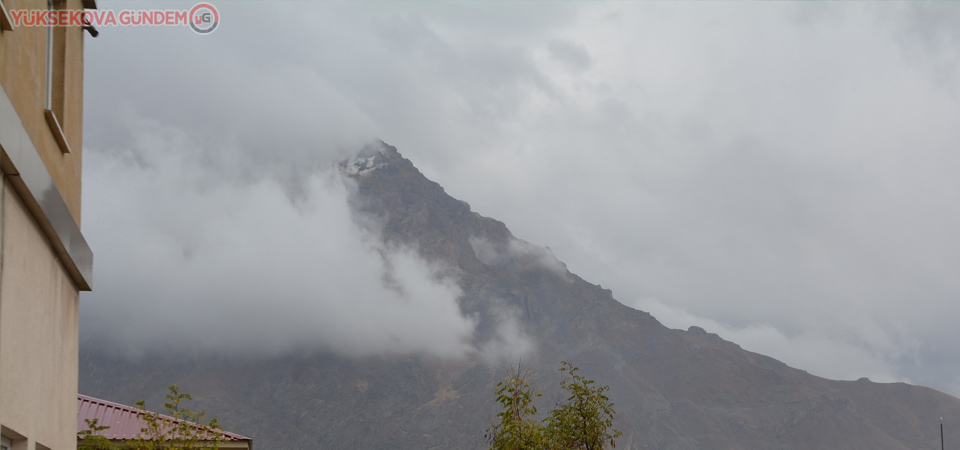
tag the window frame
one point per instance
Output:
(54, 105)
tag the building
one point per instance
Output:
(44, 259)
(125, 422)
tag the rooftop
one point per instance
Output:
(125, 422)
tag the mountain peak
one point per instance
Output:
(673, 389)
(369, 159)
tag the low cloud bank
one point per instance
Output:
(220, 223)
(509, 342)
(832, 357)
(492, 254)
(196, 263)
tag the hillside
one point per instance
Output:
(673, 389)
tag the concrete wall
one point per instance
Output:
(39, 340)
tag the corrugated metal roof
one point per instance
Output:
(125, 422)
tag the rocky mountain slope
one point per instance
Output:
(673, 389)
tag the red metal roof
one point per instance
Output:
(125, 422)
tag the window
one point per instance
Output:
(56, 77)
(10, 440)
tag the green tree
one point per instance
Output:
(92, 439)
(517, 427)
(583, 421)
(179, 429)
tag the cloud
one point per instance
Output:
(830, 357)
(250, 119)
(569, 53)
(517, 251)
(509, 342)
(786, 166)
(734, 163)
(928, 36)
(191, 263)
(219, 221)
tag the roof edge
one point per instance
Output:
(139, 412)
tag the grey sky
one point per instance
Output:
(782, 174)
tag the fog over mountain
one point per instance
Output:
(780, 174)
(197, 264)
(672, 388)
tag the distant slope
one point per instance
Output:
(673, 389)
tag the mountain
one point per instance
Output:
(673, 389)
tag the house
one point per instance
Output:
(44, 259)
(125, 422)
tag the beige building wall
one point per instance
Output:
(39, 312)
(44, 259)
(23, 74)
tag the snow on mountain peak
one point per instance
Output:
(359, 166)
(368, 160)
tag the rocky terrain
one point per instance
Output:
(673, 389)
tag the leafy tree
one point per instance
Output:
(518, 428)
(180, 429)
(584, 421)
(92, 439)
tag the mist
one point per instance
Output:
(197, 264)
(782, 174)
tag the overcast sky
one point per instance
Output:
(782, 174)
